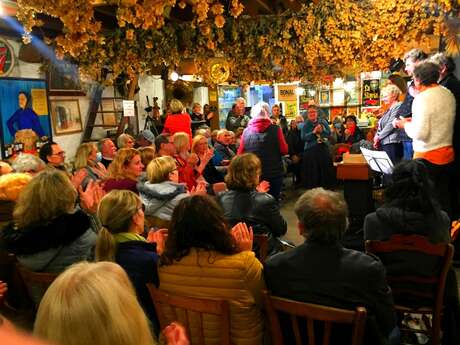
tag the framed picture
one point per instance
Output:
(64, 79)
(111, 111)
(324, 97)
(24, 113)
(66, 116)
(352, 93)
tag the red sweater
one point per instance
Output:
(178, 123)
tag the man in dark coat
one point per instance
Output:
(321, 271)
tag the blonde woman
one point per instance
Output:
(387, 138)
(92, 303)
(185, 162)
(178, 120)
(124, 171)
(48, 233)
(122, 217)
(125, 141)
(162, 191)
(87, 163)
(147, 154)
(205, 165)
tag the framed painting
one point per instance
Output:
(64, 79)
(66, 116)
(24, 114)
(324, 97)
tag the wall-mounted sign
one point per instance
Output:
(287, 93)
(371, 92)
(6, 58)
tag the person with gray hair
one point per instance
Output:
(322, 271)
(27, 163)
(267, 142)
(237, 117)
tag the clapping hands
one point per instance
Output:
(159, 237)
(90, 198)
(263, 187)
(243, 236)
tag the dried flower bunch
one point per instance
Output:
(326, 37)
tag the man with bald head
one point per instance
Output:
(321, 271)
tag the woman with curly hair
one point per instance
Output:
(203, 259)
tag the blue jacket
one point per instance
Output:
(307, 135)
(24, 119)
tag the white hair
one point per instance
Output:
(260, 110)
(28, 163)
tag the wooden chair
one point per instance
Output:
(429, 290)
(35, 281)
(312, 312)
(198, 306)
(261, 241)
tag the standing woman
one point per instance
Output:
(387, 137)
(86, 159)
(431, 128)
(120, 240)
(178, 120)
(318, 170)
(267, 142)
(124, 171)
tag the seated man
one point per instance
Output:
(223, 154)
(321, 271)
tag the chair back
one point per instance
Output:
(399, 255)
(36, 283)
(188, 309)
(312, 312)
(261, 246)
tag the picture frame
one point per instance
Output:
(66, 116)
(324, 98)
(111, 109)
(64, 79)
(24, 114)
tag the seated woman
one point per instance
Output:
(243, 203)
(124, 171)
(411, 209)
(86, 162)
(48, 233)
(184, 161)
(147, 155)
(205, 165)
(125, 141)
(201, 259)
(352, 133)
(92, 303)
(162, 191)
(120, 240)
(317, 170)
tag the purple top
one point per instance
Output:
(125, 183)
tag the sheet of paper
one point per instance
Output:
(128, 108)
(378, 161)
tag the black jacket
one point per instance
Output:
(453, 85)
(259, 210)
(295, 143)
(334, 276)
(139, 260)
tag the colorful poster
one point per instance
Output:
(371, 93)
(287, 93)
(324, 97)
(39, 102)
(338, 96)
(291, 109)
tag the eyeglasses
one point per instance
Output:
(61, 153)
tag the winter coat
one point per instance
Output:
(160, 199)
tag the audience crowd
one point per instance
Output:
(184, 212)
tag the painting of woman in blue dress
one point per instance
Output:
(24, 118)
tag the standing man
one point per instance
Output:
(237, 118)
(278, 119)
(411, 59)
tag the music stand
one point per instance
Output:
(378, 162)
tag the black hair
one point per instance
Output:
(46, 150)
(351, 117)
(197, 222)
(161, 139)
(412, 188)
